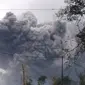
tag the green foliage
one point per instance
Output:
(41, 80)
(66, 80)
(29, 82)
(58, 81)
(82, 79)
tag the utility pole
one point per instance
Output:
(62, 71)
(62, 64)
(23, 75)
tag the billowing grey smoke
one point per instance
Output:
(31, 46)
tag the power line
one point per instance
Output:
(31, 9)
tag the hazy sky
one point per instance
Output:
(31, 4)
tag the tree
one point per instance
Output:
(29, 82)
(73, 10)
(82, 79)
(67, 80)
(58, 81)
(41, 80)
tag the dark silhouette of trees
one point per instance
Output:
(58, 81)
(82, 79)
(29, 82)
(41, 80)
